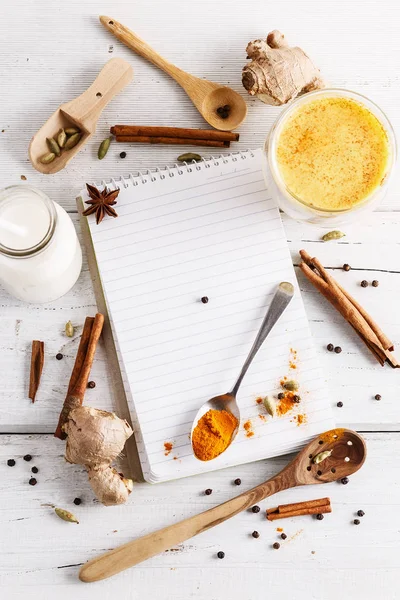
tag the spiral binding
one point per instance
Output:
(161, 174)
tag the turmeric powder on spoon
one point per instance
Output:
(213, 433)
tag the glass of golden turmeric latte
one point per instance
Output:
(330, 155)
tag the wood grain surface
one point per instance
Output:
(49, 54)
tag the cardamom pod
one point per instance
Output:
(333, 235)
(321, 456)
(65, 515)
(270, 405)
(72, 130)
(61, 138)
(53, 146)
(291, 385)
(72, 141)
(103, 148)
(47, 158)
(188, 157)
(69, 329)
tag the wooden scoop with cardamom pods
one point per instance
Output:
(68, 129)
(330, 456)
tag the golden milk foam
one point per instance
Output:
(332, 153)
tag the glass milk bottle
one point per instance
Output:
(40, 255)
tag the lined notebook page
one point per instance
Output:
(212, 230)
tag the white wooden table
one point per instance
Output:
(50, 52)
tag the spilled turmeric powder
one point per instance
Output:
(248, 428)
(286, 403)
(213, 433)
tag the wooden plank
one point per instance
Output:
(352, 376)
(208, 39)
(318, 558)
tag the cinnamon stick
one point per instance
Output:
(37, 362)
(82, 349)
(310, 507)
(174, 132)
(81, 371)
(282, 508)
(385, 341)
(322, 509)
(141, 139)
(377, 342)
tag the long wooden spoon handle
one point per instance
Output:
(132, 553)
(139, 46)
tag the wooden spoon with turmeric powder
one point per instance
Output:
(217, 422)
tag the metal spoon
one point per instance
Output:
(281, 299)
(348, 455)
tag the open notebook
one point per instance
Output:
(206, 229)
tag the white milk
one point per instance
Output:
(40, 255)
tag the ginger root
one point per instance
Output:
(278, 73)
(94, 439)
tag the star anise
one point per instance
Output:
(101, 202)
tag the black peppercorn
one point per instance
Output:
(255, 509)
(319, 473)
(276, 545)
(27, 457)
(283, 536)
(255, 534)
(344, 480)
(77, 501)
(296, 398)
(204, 299)
(375, 283)
(59, 356)
(319, 517)
(237, 481)
(364, 283)
(339, 404)
(208, 492)
(378, 397)
(224, 111)
(281, 396)
(35, 470)
(356, 521)
(32, 481)
(360, 513)
(122, 155)
(338, 349)
(91, 384)
(11, 462)
(330, 347)
(346, 267)
(221, 554)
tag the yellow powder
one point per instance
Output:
(213, 433)
(332, 153)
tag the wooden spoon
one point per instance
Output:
(83, 113)
(349, 452)
(206, 95)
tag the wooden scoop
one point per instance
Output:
(348, 455)
(82, 113)
(207, 96)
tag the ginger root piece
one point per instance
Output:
(94, 439)
(110, 487)
(278, 73)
